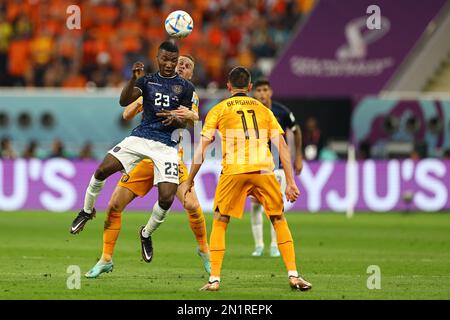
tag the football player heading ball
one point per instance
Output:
(151, 139)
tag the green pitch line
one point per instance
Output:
(412, 251)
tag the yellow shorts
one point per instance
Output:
(232, 190)
(140, 179)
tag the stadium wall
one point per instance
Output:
(371, 112)
(76, 115)
(79, 116)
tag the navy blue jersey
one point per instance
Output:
(160, 93)
(285, 118)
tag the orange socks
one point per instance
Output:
(198, 226)
(217, 244)
(285, 244)
(110, 234)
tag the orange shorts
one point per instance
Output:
(140, 179)
(232, 190)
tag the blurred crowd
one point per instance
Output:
(406, 144)
(315, 146)
(34, 150)
(406, 135)
(37, 48)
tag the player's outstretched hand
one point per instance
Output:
(170, 117)
(182, 113)
(292, 192)
(189, 188)
(138, 70)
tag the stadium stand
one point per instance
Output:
(37, 50)
(441, 80)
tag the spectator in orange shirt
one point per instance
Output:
(127, 30)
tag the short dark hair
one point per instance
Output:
(239, 77)
(168, 46)
(261, 82)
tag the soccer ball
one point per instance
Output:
(179, 24)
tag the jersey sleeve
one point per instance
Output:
(290, 120)
(274, 127)
(195, 102)
(211, 123)
(140, 84)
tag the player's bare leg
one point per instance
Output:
(109, 166)
(217, 250)
(286, 246)
(166, 195)
(120, 198)
(196, 222)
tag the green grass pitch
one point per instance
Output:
(333, 253)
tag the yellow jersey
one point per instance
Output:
(245, 126)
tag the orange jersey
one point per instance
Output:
(245, 126)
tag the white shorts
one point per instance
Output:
(131, 150)
(281, 178)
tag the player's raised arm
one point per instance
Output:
(131, 91)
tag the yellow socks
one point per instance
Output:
(285, 244)
(110, 234)
(198, 226)
(217, 244)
